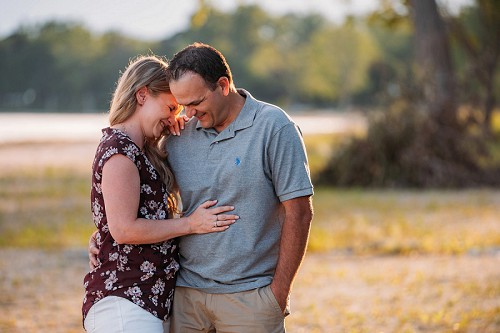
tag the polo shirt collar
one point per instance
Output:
(244, 120)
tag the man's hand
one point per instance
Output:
(93, 251)
(282, 297)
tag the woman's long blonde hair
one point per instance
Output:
(150, 72)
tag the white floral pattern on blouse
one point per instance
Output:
(144, 274)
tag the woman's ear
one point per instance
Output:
(141, 94)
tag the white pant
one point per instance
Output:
(115, 314)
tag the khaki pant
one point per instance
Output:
(253, 311)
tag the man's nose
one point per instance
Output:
(190, 111)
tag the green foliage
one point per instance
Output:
(390, 72)
(472, 34)
(62, 66)
(335, 64)
(478, 57)
(289, 59)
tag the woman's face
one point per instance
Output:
(156, 110)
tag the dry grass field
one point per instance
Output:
(379, 261)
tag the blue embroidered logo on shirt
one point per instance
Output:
(237, 161)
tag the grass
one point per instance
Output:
(405, 222)
(45, 209)
(50, 209)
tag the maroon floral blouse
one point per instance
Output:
(143, 274)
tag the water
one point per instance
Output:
(71, 127)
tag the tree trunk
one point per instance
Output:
(434, 66)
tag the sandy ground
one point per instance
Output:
(42, 292)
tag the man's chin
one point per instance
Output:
(205, 124)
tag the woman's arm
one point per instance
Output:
(121, 192)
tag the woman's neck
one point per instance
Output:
(133, 131)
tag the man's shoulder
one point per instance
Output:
(178, 143)
(272, 115)
(266, 112)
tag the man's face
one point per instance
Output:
(199, 101)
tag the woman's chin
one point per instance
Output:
(159, 131)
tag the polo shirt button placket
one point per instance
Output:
(215, 153)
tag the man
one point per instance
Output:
(248, 154)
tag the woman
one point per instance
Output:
(133, 204)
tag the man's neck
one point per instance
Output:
(235, 105)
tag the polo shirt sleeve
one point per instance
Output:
(288, 163)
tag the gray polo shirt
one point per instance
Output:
(254, 164)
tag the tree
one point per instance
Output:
(476, 30)
(434, 66)
(419, 141)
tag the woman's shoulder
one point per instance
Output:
(114, 141)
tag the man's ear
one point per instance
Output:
(141, 94)
(223, 82)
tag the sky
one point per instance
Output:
(159, 19)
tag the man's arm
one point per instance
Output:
(294, 237)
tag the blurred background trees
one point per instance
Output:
(430, 136)
(427, 79)
(290, 60)
(293, 60)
